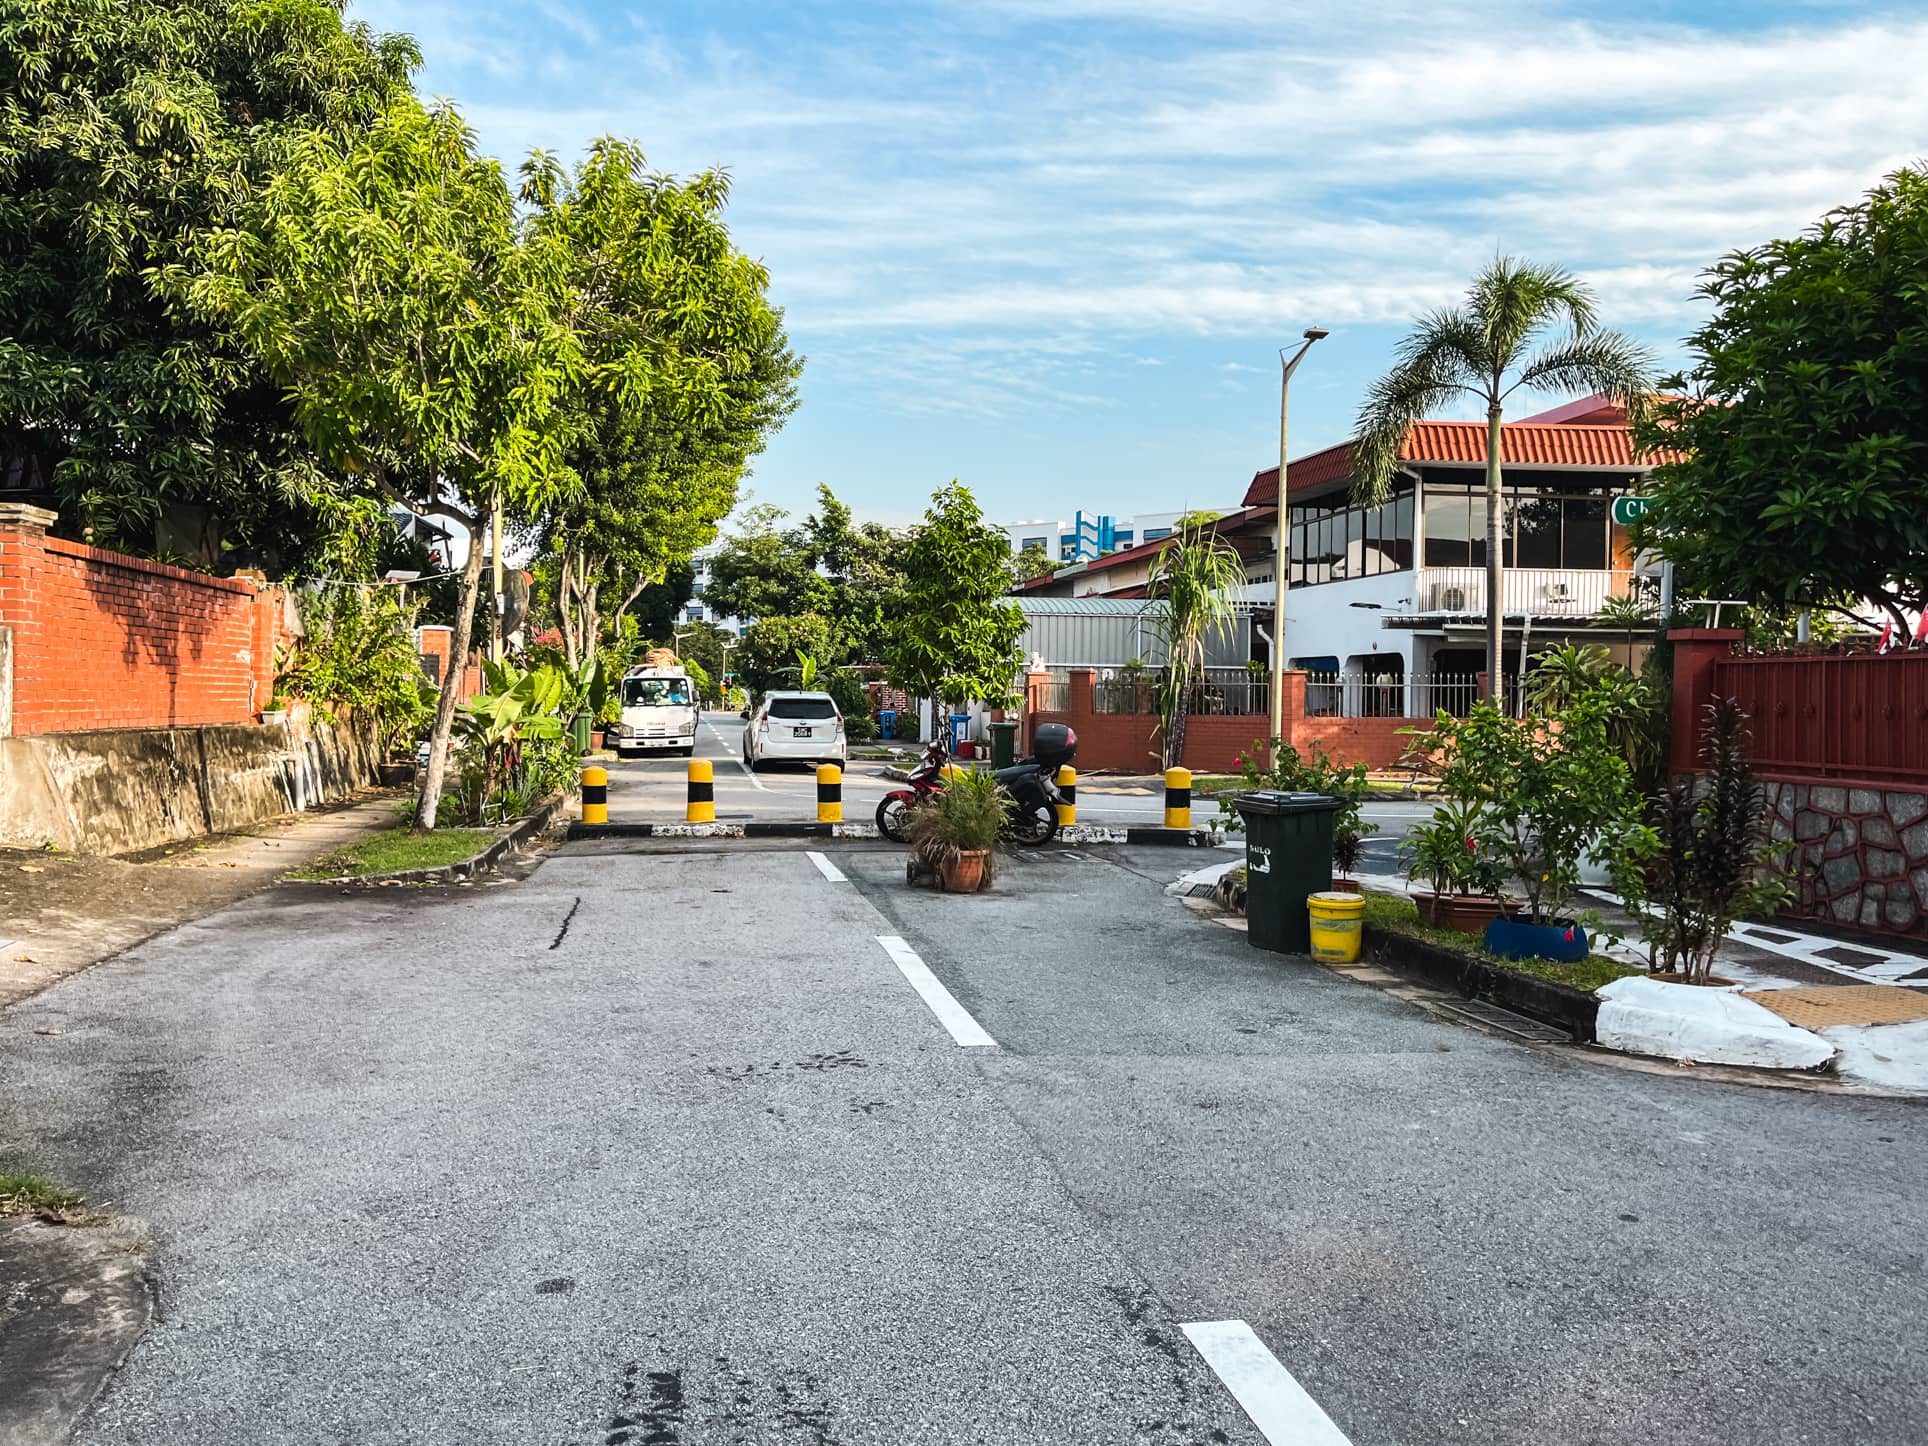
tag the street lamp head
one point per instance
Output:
(1316, 333)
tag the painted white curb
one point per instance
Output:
(1707, 1025)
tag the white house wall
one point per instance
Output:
(1321, 621)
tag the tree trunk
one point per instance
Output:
(1495, 574)
(438, 738)
(565, 611)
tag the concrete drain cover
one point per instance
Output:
(1769, 935)
(1853, 958)
(1517, 1025)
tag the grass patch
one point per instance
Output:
(26, 1193)
(395, 849)
(1400, 916)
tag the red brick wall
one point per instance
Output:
(101, 640)
(1128, 742)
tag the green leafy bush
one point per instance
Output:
(1291, 772)
(966, 816)
(359, 656)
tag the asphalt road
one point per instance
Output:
(654, 790)
(660, 1146)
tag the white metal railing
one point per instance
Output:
(1543, 591)
(1214, 692)
(1389, 695)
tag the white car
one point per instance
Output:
(797, 727)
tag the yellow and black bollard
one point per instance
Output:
(702, 804)
(595, 794)
(1068, 791)
(829, 793)
(1178, 798)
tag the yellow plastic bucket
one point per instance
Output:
(1336, 922)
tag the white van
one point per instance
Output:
(659, 712)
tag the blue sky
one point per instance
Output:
(1053, 246)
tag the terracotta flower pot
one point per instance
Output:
(965, 873)
(1464, 913)
(1347, 886)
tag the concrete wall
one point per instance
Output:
(119, 790)
(1861, 854)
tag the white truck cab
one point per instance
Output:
(659, 712)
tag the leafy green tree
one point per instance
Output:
(1189, 595)
(1802, 426)
(1487, 349)
(768, 657)
(860, 565)
(385, 282)
(692, 373)
(764, 570)
(128, 132)
(954, 634)
(1033, 562)
(658, 606)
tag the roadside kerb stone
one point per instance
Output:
(475, 865)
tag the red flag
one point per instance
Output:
(1887, 637)
(1921, 627)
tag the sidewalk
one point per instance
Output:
(61, 913)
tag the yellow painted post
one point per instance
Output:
(702, 802)
(595, 794)
(1068, 786)
(829, 793)
(1178, 798)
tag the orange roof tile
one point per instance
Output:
(1522, 444)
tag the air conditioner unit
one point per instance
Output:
(1452, 599)
(1556, 592)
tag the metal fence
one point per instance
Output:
(1856, 716)
(1227, 692)
(1053, 695)
(1389, 695)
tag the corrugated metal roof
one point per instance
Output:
(1062, 607)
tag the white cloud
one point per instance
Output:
(979, 211)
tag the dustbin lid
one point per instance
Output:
(1002, 727)
(1278, 801)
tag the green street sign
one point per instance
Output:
(1625, 509)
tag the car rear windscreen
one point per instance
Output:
(802, 708)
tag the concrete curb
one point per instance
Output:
(77, 1299)
(512, 842)
(1082, 834)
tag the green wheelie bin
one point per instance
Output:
(1288, 856)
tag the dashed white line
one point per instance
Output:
(952, 1015)
(1277, 1404)
(748, 772)
(829, 870)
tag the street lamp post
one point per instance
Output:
(1281, 559)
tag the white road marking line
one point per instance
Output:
(952, 1015)
(829, 870)
(748, 772)
(1277, 1404)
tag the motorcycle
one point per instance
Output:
(927, 778)
(1031, 786)
(1030, 789)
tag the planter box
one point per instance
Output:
(1464, 913)
(1560, 1005)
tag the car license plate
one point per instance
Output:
(803, 732)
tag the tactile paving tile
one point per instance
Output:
(1843, 1004)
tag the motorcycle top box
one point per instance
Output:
(1054, 745)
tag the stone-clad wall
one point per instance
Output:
(1861, 854)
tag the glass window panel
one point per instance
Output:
(1476, 528)
(1583, 535)
(1536, 524)
(1402, 529)
(1447, 514)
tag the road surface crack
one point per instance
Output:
(567, 919)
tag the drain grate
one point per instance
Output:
(1202, 891)
(1517, 1025)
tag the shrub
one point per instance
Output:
(967, 815)
(359, 656)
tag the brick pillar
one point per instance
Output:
(1291, 705)
(432, 641)
(1084, 692)
(23, 541)
(1696, 650)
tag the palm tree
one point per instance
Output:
(1195, 577)
(1488, 348)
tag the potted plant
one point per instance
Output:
(276, 711)
(954, 833)
(1551, 790)
(1348, 847)
(1453, 856)
(1711, 859)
